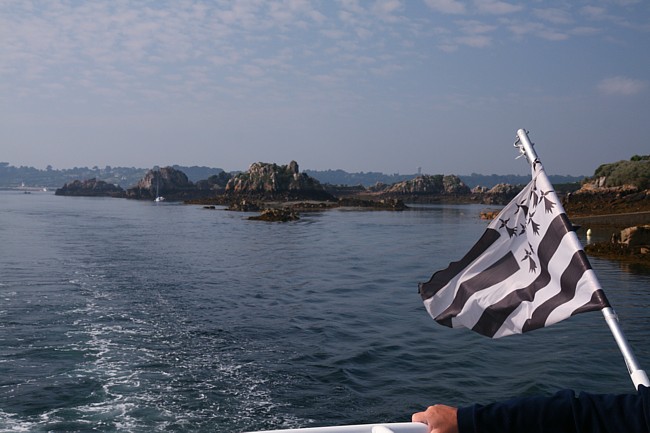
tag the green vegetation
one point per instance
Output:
(635, 172)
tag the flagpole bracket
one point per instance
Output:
(525, 147)
(520, 147)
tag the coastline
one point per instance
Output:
(607, 228)
(605, 213)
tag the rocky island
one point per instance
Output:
(614, 206)
(173, 185)
(90, 188)
(271, 182)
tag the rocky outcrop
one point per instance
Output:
(265, 181)
(637, 236)
(615, 188)
(428, 185)
(382, 204)
(443, 188)
(594, 200)
(244, 206)
(631, 244)
(215, 183)
(90, 188)
(167, 182)
(501, 193)
(276, 215)
(345, 190)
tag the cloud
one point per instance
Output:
(496, 7)
(474, 27)
(476, 41)
(553, 35)
(446, 6)
(473, 34)
(593, 12)
(585, 31)
(333, 33)
(553, 15)
(538, 29)
(386, 70)
(82, 50)
(622, 86)
(290, 11)
(386, 9)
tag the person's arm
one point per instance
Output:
(527, 415)
(560, 413)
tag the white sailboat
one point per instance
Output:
(158, 198)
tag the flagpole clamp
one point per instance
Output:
(525, 147)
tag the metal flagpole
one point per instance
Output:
(637, 375)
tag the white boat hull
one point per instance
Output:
(404, 427)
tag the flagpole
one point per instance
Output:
(637, 375)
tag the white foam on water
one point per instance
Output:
(11, 423)
(153, 369)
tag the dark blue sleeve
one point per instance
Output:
(561, 413)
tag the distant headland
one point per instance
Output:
(125, 177)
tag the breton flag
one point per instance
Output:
(527, 271)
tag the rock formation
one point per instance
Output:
(594, 200)
(631, 244)
(501, 193)
(215, 183)
(90, 188)
(429, 185)
(167, 182)
(382, 204)
(244, 206)
(276, 215)
(638, 236)
(619, 187)
(265, 181)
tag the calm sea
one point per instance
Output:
(119, 315)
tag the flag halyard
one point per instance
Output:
(527, 271)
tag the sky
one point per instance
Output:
(389, 85)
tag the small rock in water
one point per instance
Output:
(276, 215)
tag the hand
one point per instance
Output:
(439, 418)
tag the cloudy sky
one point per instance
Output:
(385, 85)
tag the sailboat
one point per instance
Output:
(158, 198)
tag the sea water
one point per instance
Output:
(120, 315)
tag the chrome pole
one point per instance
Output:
(637, 375)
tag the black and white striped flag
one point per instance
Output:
(527, 271)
